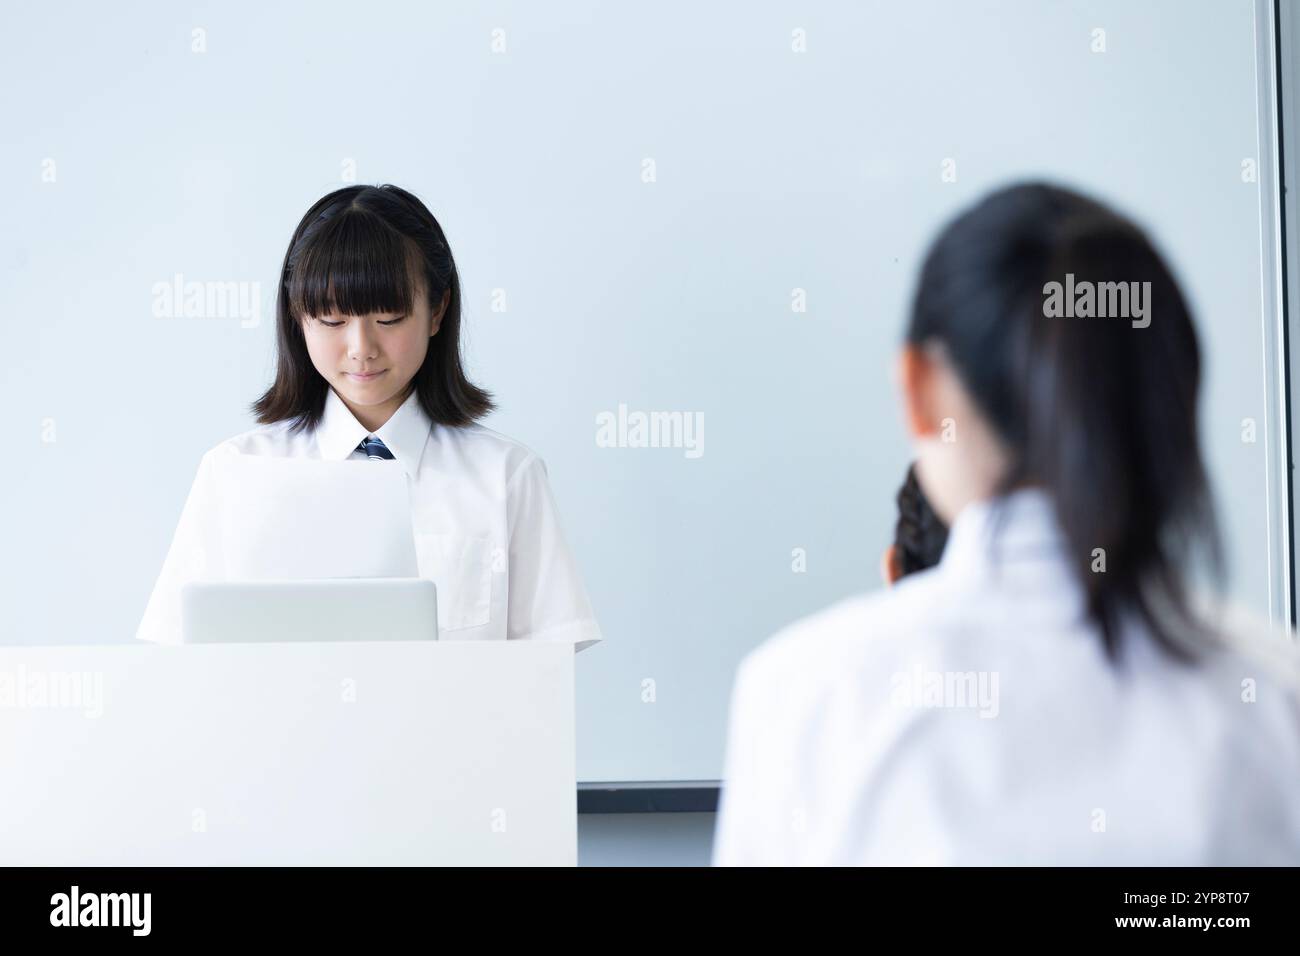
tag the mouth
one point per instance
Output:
(366, 376)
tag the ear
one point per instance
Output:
(889, 569)
(438, 313)
(918, 376)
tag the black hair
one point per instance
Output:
(1099, 412)
(919, 535)
(358, 250)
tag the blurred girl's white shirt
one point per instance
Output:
(487, 528)
(860, 735)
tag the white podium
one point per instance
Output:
(372, 753)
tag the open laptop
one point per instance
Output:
(334, 609)
(291, 576)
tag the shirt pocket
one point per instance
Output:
(461, 566)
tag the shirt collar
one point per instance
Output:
(1018, 526)
(405, 433)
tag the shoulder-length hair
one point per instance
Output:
(363, 249)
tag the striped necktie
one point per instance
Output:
(375, 449)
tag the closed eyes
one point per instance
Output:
(335, 325)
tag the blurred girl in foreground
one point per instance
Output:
(1049, 693)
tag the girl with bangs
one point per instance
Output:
(368, 368)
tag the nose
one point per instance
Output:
(361, 341)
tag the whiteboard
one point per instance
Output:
(716, 210)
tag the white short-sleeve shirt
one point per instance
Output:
(968, 715)
(487, 529)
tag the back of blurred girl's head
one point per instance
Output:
(1101, 413)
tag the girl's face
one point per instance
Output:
(370, 360)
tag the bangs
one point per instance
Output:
(354, 264)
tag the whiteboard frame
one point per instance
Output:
(1282, 80)
(1278, 428)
